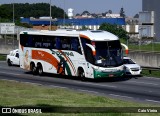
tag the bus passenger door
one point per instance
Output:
(89, 55)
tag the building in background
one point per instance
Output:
(153, 5)
(70, 13)
(89, 23)
(146, 27)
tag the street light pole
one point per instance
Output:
(13, 11)
(64, 13)
(13, 22)
(50, 16)
(141, 36)
(154, 36)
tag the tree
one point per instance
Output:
(30, 10)
(110, 11)
(115, 29)
(122, 13)
(85, 13)
(77, 14)
(136, 16)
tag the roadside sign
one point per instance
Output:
(7, 28)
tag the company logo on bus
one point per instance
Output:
(63, 53)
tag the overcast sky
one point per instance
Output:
(131, 7)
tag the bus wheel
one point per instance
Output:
(40, 69)
(33, 69)
(81, 74)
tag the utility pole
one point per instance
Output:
(64, 13)
(14, 27)
(50, 16)
(13, 11)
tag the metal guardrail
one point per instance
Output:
(3, 54)
(144, 51)
(150, 69)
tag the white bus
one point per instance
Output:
(86, 54)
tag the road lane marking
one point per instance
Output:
(144, 83)
(9, 80)
(96, 84)
(32, 83)
(150, 91)
(153, 101)
(54, 86)
(121, 96)
(2, 61)
(74, 81)
(88, 91)
(10, 73)
(156, 78)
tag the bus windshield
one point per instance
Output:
(108, 53)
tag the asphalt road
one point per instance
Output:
(142, 89)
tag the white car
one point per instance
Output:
(131, 67)
(13, 58)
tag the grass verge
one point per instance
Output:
(2, 57)
(14, 94)
(149, 47)
(146, 72)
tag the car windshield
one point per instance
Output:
(108, 53)
(128, 61)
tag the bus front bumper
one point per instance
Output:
(100, 74)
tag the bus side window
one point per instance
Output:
(75, 45)
(89, 55)
(66, 43)
(30, 41)
(53, 44)
(87, 50)
(58, 43)
(23, 39)
(84, 42)
(37, 40)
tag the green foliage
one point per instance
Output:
(29, 10)
(117, 30)
(18, 23)
(84, 28)
(153, 73)
(2, 57)
(122, 13)
(21, 94)
(153, 47)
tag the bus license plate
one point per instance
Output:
(111, 75)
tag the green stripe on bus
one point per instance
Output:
(66, 67)
(99, 74)
(68, 70)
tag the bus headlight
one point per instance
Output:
(95, 67)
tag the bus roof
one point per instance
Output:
(94, 35)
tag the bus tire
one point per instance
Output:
(81, 74)
(33, 69)
(40, 69)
